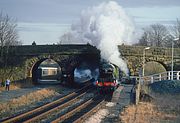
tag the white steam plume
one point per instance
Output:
(105, 26)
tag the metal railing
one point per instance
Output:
(158, 77)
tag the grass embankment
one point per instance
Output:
(165, 106)
(12, 87)
(166, 87)
(17, 85)
(13, 105)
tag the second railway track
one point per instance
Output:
(80, 113)
(26, 117)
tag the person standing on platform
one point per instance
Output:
(7, 84)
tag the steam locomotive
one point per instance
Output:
(109, 75)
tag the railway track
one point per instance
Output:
(42, 111)
(80, 113)
(89, 111)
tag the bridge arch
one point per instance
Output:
(85, 70)
(67, 63)
(78, 61)
(154, 67)
(34, 63)
(135, 63)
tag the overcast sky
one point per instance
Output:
(44, 21)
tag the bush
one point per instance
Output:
(166, 86)
(2, 84)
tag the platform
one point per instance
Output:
(121, 98)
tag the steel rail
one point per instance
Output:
(89, 113)
(80, 110)
(69, 114)
(54, 109)
(41, 108)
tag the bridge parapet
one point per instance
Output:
(153, 51)
(26, 50)
(126, 50)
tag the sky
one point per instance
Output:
(44, 21)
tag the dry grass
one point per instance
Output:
(18, 85)
(23, 84)
(168, 103)
(25, 100)
(166, 108)
(12, 87)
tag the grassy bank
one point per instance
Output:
(24, 102)
(163, 108)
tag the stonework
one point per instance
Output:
(68, 57)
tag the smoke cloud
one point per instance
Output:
(105, 26)
(85, 74)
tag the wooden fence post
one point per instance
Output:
(137, 92)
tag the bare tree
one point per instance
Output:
(144, 41)
(8, 34)
(176, 32)
(8, 37)
(155, 35)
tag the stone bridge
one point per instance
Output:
(133, 55)
(24, 60)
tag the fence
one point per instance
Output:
(169, 75)
(158, 77)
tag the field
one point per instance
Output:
(164, 107)
(19, 100)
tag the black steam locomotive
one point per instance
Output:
(109, 75)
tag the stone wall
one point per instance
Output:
(13, 73)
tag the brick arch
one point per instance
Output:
(35, 68)
(70, 65)
(33, 63)
(67, 64)
(162, 63)
(158, 68)
(135, 63)
(74, 61)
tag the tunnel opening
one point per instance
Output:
(46, 71)
(153, 67)
(86, 72)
